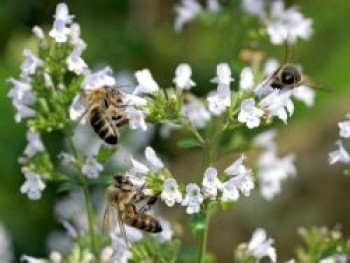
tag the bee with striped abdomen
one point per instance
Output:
(105, 109)
(122, 197)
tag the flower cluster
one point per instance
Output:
(341, 155)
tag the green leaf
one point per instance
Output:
(189, 143)
(105, 153)
(198, 223)
(65, 187)
(103, 180)
(329, 251)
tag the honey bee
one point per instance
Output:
(122, 197)
(287, 76)
(105, 109)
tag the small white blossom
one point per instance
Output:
(153, 161)
(133, 234)
(136, 119)
(99, 79)
(60, 31)
(48, 81)
(38, 32)
(21, 93)
(246, 81)
(166, 234)
(182, 77)
(250, 114)
(35, 145)
(219, 100)
(270, 66)
(23, 112)
(91, 168)
(66, 158)
(223, 74)
(278, 104)
(5, 246)
(77, 109)
(272, 171)
(33, 186)
(213, 6)
(254, 7)
(75, 63)
(106, 254)
(122, 253)
(31, 63)
(305, 94)
(193, 199)
(266, 139)
(29, 259)
(287, 23)
(237, 167)
(170, 192)
(211, 183)
(197, 114)
(340, 155)
(56, 257)
(344, 127)
(260, 246)
(134, 100)
(75, 39)
(146, 83)
(229, 191)
(186, 12)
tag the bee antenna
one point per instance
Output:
(287, 49)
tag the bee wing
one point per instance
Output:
(107, 220)
(122, 227)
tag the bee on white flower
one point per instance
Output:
(98, 79)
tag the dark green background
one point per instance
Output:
(139, 33)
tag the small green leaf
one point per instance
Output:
(329, 251)
(189, 143)
(65, 187)
(103, 180)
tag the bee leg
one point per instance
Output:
(149, 204)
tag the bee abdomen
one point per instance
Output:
(146, 223)
(102, 127)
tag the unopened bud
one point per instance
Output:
(38, 32)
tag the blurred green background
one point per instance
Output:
(139, 33)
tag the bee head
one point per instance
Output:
(122, 181)
(290, 75)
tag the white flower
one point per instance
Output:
(77, 109)
(136, 119)
(229, 191)
(237, 167)
(134, 100)
(261, 247)
(56, 257)
(339, 155)
(219, 100)
(5, 246)
(278, 104)
(186, 12)
(121, 250)
(337, 258)
(265, 139)
(272, 171)
(29, 259)
(35, 145)
(106, 254)
(60, 31)
(166, 234)
(48, 81)
(223, 74)
(244, 182)
(75, 39)
(23, 112)
(211, 183)
(66, 158)
(75, 63)
(271, 65)
(33, 186)
(91, 167)
(153, 161)
(170, 192)
(254, 7)
(305, 94)
(146, 83)
(21, 93)
(246, 81)
(38, 32)
(250, 114)
(133, 234)
(193, 198)
(195, 111)
(99, 79)
(213, 6)
(344, 127)
(31, 63)
(287, 23)
(182, 78)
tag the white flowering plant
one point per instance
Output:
(239, 114)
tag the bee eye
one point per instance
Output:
(289, 78)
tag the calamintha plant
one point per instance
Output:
(50, 97)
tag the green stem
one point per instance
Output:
(90, 217)
(204, 239)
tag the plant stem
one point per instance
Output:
(204, 238)
(90, 217)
